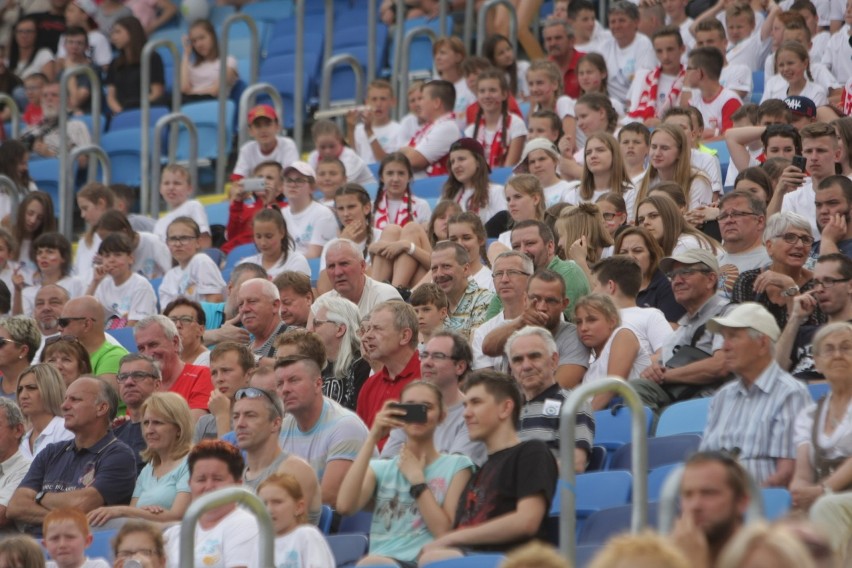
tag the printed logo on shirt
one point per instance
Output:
(305, 238)
(551, 407)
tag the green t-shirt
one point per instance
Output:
(105, 360)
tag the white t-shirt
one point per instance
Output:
(89, 563)
(316, 225)
(556, 193)
(436, 140)
(234, 541)
(801, 201)
(42, 57)
(84, 264)
(374, 293)
(776, 88)
(649, 324)
(464, 98)
(523, 86)
(598, 367)
(100, 51)
(285, 153)
(131, 301)
(73, 285)
(303, 547)
(200, 277)
(480, 359)
(296, 262)
(664, 87)
(377, 234)
(565, 106)
(496, 201)
(687, 242)
(839, 58)
(483, 278)
(191, 208)
(624, 63)
(747, 52)
(515, 129)
(600, 35)
(735, 77)
(708, 164)
(356, 170)
(206, 74)
(713, 110)
(408, 127)
(151, 258)
(387, 136)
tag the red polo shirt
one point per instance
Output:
(194, 384)
(381, 387)
(569, 76)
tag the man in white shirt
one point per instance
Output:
(589, 34)
(628, 51)
(735, 76)
(375, 134)
(347, 271)
(429, 149)
(13, 464)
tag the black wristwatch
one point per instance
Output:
(417, 490)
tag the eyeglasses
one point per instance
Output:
(4, 342)
(295, 181)
(844, 349)
(252, 392)
(735, 215)
(185, 320)
(649, 217)
(137, 376)
(827, 282)
(318, 323)
(551, 301)
(435, 356)
(184, 239)
(685, 272)
(510, 273)
(65, 322)
(792, 238)
(127, 553)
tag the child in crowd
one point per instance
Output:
(635, 140)
(176, 189)
(7, 265)
(125, 201)
(545, 124)
(794, 76)
(66, 536)
(275, 247)
(467, 230)
(93, 200)
(126, 296)
(373, 133)
(431, 305)
(592, 77)
(32, 88)
(589, 36)
(34, 218)
(603, 172)
(525, 201)
(448, 54)
(411, 122)
(328, 140)
(657, 90)
(734, 76)
(502, 134)
(499, 52)
(245, 204)
(195, 276)
(614, 211)
(80, 14)
(701, 157)
(199, 67)
(51, 253)
(331, 176)
(541, 159)
(715, 102)
(264, 127)
(468, 184)
(545, 81)
(472, 66)
(298, 544)
(151, 256)
(309, 223)
(395, 204)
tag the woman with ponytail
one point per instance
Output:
(501, 133)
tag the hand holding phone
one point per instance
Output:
(414, 413)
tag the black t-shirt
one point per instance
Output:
(49, 26)
(127, 80)
(659, 295)
(131, 434)
(508, 476)
(345, 390)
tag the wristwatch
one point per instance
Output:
(39, 496)
(417, 490)
(790, 292)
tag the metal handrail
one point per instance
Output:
(66, 178)
(669, 494)
(145, 107)
(398, 32)
(442, 15)
(468, 23)
(328, 69)
(328, 46)
(480, 23)
(567, 439)
(222, 146)
(218, 498)
(247, 101)
(299, 95)
(164, 121)
(402, 76)
(16, 113)
(372, 30)
(12, 189)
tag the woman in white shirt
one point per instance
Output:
(276, 252)
(603, 172)
(468, 184)
(467, 230)
(794, 76)
(660, 216)
(41, 392)
(541, 159)
(199, 68)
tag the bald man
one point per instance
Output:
(83, 318)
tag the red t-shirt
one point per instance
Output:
(472, 109)
(194, 384)
(569, 76)
(240, 217)
(381, 387)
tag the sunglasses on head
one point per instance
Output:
(252, 392)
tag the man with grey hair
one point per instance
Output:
(157, 337)
(83, 318)
(49, 301)
(347, 270)
(753, 416)
(558, 36)
(533, 357)
(627, 50)
(93, 470)
(259, 305)
(468, 303)
(223, 318)
(742, 219)
(138, 378)
(13, 464)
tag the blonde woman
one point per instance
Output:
(582, 235)
(604, 171)
(761, 544)
(41, 391)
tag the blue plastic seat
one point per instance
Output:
(420, 55)
(205, 116)
(125, 337)
(314, 265)
(347, 549)
(819, 390)
(657, 478)
(101, 546)
(217, 213)
(687, 417)
(777, 502)
(597, 459)
(472, 561)
(326, 515)
(267, 12)
(757, 80)
(661, 451)
(132, 118)
(238, 253)
(45, 174)
(595, 491)
(500, 175)
(428, 187)
(358, 523)
(122, 147)
(604, 524)
(612, 427)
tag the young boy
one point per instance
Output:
(126, 296)
(747, 43)
(676, 16)
(655, 91)
(737, 77)
(328, 141)
(430, 304)
(588, 34)
(245, 204)
(635, 142)
(81, 14)
(267, 145)
(33, 86)
(746, 142)
(411, 122)
(176, 189)
(125, 199)
(715, 102)
(66, 536)
(372, 133)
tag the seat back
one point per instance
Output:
(602, 525)
(358, 523)
(347, 549)
(661, 451)
(595, 491)
(125, 337)
(687, 417)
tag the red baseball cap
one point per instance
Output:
(262, 111)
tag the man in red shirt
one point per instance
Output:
(559, 45)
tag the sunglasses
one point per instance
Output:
(65, 322)
(4, 342)
(252, 392)
(56, 338)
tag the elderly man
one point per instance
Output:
(742, 219)
(49, 302)
(445, 363)
(347, 270)
(753, 415)
(260, 315)
(223, 319)
(138, 378)
(231, 365)
(294, 290)
(534, 358)
(45, 135)
(83, 318)
(468, 303)
(389, 341)
(679, 374)
(158, 337)
(13, 464)
(92, 470)
(558, 36)
(317, 429)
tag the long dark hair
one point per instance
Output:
(364, 199)
(115, 221)
(454, 188)
(472, 219)
(15, 51)
(401, 158)
(272, 214)
(48, 224)
(489, 51)
(214, 52)
(132, 53)
(12, 154)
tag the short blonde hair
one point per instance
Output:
(175, 410)
(50, 386)
(780, 540)
(647, 546)
(535, 555)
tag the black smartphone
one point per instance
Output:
(800, 162)
(414, 413)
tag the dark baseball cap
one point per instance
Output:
(803, 106)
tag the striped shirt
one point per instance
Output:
(540, 420)
(758, 419)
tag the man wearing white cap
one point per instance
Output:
(690, 363)
(753, 416)
(309, 223)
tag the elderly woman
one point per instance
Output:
(335, 320)
(141, 541)
(823, 432)
(188, 316)
(788, 242)
(41, 392)
(19, 342)
(69, 357)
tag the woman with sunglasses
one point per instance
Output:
(162, 489)
(188, 316)
(69, 357)
(788, 242)
(41, 391)
(20, 340)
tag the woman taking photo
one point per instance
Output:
(69, 357)
(20, 340)
(414, 495)
(41, 392)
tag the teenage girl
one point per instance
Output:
(603, 172)
(582, 235)
(498, 50)
(448, 54)
(467, 230)
(595, 113)
(275, 248)
(502, 134)
(468, 184)
(196, 276)
(592, 77)
(14, 164)
(541, 159)
(794, 78)
(614, 211)
(329, 143)
(35, 217)
(525, 202)
(93, 200)
(660, 216)
(395, 204)
(546, 84)
(199, 68)
(122, 82)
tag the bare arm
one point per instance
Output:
(570, 376)
(23, 508)
(167, 12)
(737, 139)
(179, 506)
(513, 154)
(803, 306)
(784, 468)
(626, 346)
(112, 101)
(711, 12)
(359, 483)
(495, 342)
(334, 473)
(418, 162)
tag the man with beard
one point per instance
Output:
(45, 135)
(49, 301)
(468, 302)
